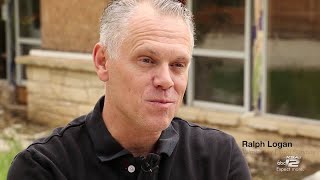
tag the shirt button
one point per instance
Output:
(131, 169)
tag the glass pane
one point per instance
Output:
(25, 49)
(219, 80)
(29, 18)
(294, 58)
(219, 24)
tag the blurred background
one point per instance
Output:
(255, 74)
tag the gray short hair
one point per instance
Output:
(115, 18)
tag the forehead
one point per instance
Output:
(147, 25)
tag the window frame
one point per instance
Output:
(20, 41)
(244, 55)
(264, 85)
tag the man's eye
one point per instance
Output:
(146, 60)
(178, 65)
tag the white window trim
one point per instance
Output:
(20, 41)
(244, 55)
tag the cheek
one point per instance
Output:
(135, 85)
(181, 84)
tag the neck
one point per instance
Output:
(134, 139)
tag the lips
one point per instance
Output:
(161, 103)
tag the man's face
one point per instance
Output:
(148, 78)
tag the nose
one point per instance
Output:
(162, 78)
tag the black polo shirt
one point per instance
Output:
(85, 149)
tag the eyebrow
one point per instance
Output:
(155, 53)
(182, 58)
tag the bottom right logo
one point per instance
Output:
(289, 163)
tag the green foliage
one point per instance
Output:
(7, 157)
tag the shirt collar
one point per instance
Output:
(107, 148)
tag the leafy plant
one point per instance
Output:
(7, 157)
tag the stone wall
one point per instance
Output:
(71, 25)
(60, 89)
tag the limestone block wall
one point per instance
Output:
(60, 89)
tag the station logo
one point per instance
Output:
(289, 163)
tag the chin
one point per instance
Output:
(157, 124)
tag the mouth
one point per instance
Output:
(161, 103)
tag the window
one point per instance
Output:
(220, 75)
(223, 77)
(293, 67)
(27, 26)
(220, 24)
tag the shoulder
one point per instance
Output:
(186, 128)
(59, 135)
(204, 141)
(216, 149)
(49, 153)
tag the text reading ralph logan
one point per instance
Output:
(258, 144)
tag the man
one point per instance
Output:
(143, 58)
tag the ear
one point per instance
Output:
(100, 59)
